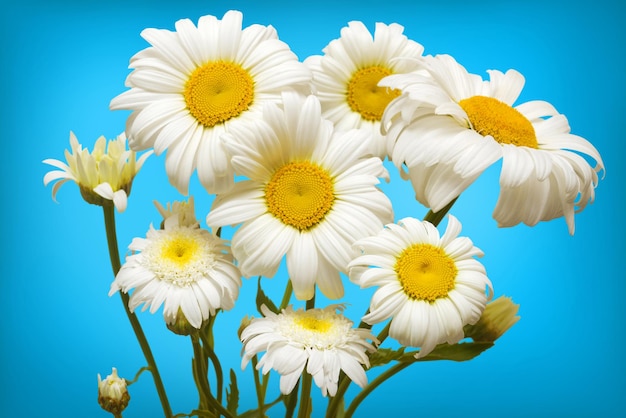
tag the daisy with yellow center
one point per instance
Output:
(320, 340)
(104, 176)
(346, 77)
(430, 286)
(182, 266)
(448, 131)
(311, 192)
(193, 84)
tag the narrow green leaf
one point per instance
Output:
(454, 352)
(232, 396)
(262, 299)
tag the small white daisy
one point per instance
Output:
(192, 85)
(323, 340)
(309, 196)
(346, 77)
(448, 131)
(182, 266)
(104, 176)
(430, 286)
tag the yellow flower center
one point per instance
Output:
(180, 250)
(505, 124)
(425, 272)
(300, 194)
(218, 91)
(366, 97)
(312, 323)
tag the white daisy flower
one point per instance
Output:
(430, 286)
(193, 84)
(182, 266)
(104, 176)
(323, 340)
(309, 196)
(447, 133)
(346, 77)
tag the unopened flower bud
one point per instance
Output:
(245, 321)
(498, 316)
(113, 396)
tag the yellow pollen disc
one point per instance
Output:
(180, 250)
(425, 272)
(366, 97)
(505, 124)
(300, 194)
(311, 323)
(218, 91)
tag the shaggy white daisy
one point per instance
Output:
(182, 266)
(104, 176)
(192, 85)
(311, 193)
(346, 77)
(430, 286)
(447, 132)
(323, 340)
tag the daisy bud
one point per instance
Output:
(180, 325)
(104, 176)
(183, 211)
(112, 394)
(245, 321)
(497, 318)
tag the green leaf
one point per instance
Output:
(262, 299)
(383, 356)
(455, 352)
(232, 396)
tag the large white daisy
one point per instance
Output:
(182, 266)
(104, 176)
(309, 196)
(323, 340)
(430, 286)
(193, 84)
(448, 131)
(346, 77)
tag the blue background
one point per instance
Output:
(62, 62)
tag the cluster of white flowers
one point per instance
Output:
(310, 139)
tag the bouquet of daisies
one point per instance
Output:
(293, 153)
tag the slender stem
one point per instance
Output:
(286, 296)
(257, 383)
(200, 372)
(436, 217)
(219, 377)
(373, 385)
(384, 333)
(109, 224)
(305, 395)
(310, 304)
(335, 401)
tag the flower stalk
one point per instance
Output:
(109, 224)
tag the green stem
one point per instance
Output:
(310, 304)
(286, 296)
(305, 395)
(257, 383)
(436, 217)
(109, 224)
(384, 333)
(335, 401)
(219, 377)
(373, 385)
(201, 372)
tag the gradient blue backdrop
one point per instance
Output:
(62, 62)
